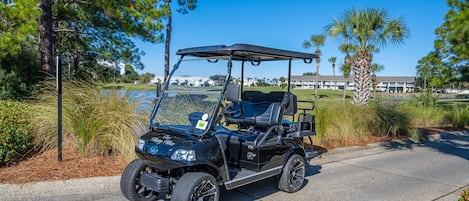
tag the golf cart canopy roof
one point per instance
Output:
(245, 52)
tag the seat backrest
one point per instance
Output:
(232, 92)
(271, 116)
(259, 97)
(290, 103)
(263, 110)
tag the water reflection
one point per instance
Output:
(144, 99)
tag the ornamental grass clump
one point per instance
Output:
(342, 123)
(457, 116)
(98, 123)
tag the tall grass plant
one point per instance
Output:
(341, 122)
(99, 123)
(457, 116)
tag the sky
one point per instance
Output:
(287, 24)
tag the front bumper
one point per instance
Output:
(155, 182)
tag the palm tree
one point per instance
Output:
(346, 69)
(318, 41)
(366, 29)
(374, 69)
(333, 60)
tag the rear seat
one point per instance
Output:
(260, 110)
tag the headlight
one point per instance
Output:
(183, 155)
(140, 144)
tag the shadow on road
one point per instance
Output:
(400, 145)
(263, 188)
(256, 190)
(456, 144)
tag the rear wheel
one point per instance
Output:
(130, 182)
(196, 186)
(293, 174)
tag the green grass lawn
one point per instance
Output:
(130, 86)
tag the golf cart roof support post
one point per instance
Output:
(289, 74)
(242, 76)
(175, 67)
(223, 91)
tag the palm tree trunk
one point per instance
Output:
(46, 36)
(333, 73)
(167, 42)
(361, 77)
(316, 85)
(345, 87)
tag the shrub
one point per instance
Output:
(464, 196)
(15, 139)
(424, 100)
(19, 73)
(387, 116)
(100, 123)
(423, 111)
(457, 116)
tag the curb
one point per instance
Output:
(81, 186)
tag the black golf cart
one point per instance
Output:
(206, 133)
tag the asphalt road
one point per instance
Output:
(437, 169)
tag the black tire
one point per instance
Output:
(130, 185)
(293, 174)
(198, 186)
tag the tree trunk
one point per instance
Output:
(167, 42)
(374, 82)
(46, 36)
(425, 83)
(316, 84)
(345, 87)
(361, 77)
(333, 73)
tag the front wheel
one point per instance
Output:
(130, 182)
(196, 186)
(293, 174)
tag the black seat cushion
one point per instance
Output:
(259, 115)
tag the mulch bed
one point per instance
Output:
(45, 167)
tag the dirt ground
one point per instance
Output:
(45, 167)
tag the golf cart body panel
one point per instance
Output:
(236, 136)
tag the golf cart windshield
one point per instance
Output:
(189, 103)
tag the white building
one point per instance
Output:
(185, 81)
(119, 67)
(385, 83)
